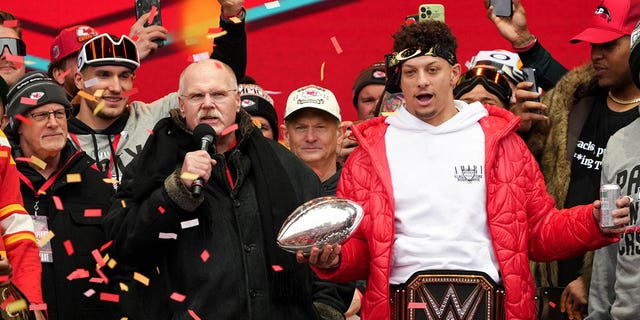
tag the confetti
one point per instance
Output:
(152, 14)
(123, 287)
(35, 307)
(23, 119)
(141, 278)
(167, 235)
(91, 82)
(205, 255)
(109, 297)
(14, 58)
(276, 268)
(189, 176)
(78, 274)
(106, 245)
(42, 192)
(99, 107)
(193, 314)
(216, 35)
(110, 181)
(98, 257)
(89, 293)
(272, 4)
(87, 96)
(336, 45)
(57, 202)
(68, 246)
(189, 223)
(177, 297)
(64, 75)
(214, 30)
(218, 65)
(45, 239)
(257, 123)
(74, 178)
(322, 71)
(272, 92)
(552, 304)
(39, 163)
(112, 263)
(199, 56)
(129, 92)
(235, 20)
(101, 274)
(93, 213)
(98, 93)
(161, 210)
(28, 101)
(96, 280)
(417, 305)
(229, 129)
(124, 204)
(10, 23)
(150, 132)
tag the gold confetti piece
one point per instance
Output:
(124, 287)
(87, 96)
(257, 123)
(235, 20)
(39, 163)
(189, 176)
(141, 278)
(124, 204)
(124, 318)
(4, 154)
(336, 45)
(99, 107)
(45, 239)
(112, 263)
(98, 93)
(216, 35)
(74, 178)
(110, 181)
(42, 192)
(322, 71)
(16, 306)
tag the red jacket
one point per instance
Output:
(523, 222)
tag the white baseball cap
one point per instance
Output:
(312, 96)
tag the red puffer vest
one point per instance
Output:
(523, 222)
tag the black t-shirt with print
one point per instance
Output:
(586, 166)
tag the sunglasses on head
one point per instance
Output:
(104, 50)
(491, 79)
(16, 46)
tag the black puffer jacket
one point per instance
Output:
(79, 186)
(233, 224)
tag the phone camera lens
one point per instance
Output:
(428, 12)
(423, 9)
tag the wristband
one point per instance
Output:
(240, 15)
(525, 45)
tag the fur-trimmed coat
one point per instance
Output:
(553, 144)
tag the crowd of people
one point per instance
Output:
(480, 191)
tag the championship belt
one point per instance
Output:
(447, 294)
(15, 305)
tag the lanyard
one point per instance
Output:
(114, 147)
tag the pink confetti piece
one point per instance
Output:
(129, 93)
(63, 75)
(101, 274)
(91, 82)
(199, 57)
(10, 23)
(167, 235)
(336, 45)
(28, 101)
(161, 210)
(89, 293)
(218, 65)
(177, 297)
(36, 307)
(229, 129)
(109, 297)
(189, 223)
(273, 92)
(552, 304)
(96, 213)
(152, 14)
(193, 314)
(57, 202)
(106, 245)
(276, 268)
(96, 280)
(78, 274)
(23, 119)
(68, 246)
(98, 257)
(214, 30)
(417, 305)
(150, 132)
(205, 255)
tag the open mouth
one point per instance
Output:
(424, 98)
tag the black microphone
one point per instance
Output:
(207, 137)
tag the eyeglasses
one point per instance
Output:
(215, 96)
(45, 116)
(491, 79)
(16, 46)
(104, 50)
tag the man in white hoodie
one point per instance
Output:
(455, 204)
